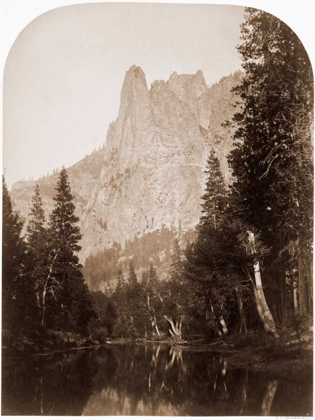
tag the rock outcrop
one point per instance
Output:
(151, 172)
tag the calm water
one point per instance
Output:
(145, 380)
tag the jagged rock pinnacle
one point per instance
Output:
(151, 173)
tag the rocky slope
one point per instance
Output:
(151, 172)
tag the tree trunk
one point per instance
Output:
(261, 303)
(174, 330)
(44, 306)
(262, 306)
(222, 322)
(305, 282)
(295, 298)
(46, 287)
(241, 312)
(310, 286)
(152, 316)
(302, 285)
(217, 328)
(223, 325)
(156, 326)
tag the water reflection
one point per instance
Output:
(145, 380)
(268, 398)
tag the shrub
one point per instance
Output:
(100, 334)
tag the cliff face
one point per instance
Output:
(151, 172)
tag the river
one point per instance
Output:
(145, 379)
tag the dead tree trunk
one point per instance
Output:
(261, 303)
(45, 288)
(152, 316)
(295, 292)
(216, 326)
(176, 328)
(222, 322)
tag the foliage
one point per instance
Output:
(215, 197)
(70, 302)
(15, 285)
(101, 270)
(38, 253)
(43, 284)
(208, 289)
(272, 160)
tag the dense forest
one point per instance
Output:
(249, 262)
(101, 270)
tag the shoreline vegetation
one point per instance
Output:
(243, 287)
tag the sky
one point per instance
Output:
(64, 72)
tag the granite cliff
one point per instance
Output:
(151, 172)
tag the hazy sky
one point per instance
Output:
(64, 73)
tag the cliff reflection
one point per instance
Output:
(142, 380)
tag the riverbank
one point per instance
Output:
(47, 342)
(256, 351)
(286, 358)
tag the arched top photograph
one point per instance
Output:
(157, 213)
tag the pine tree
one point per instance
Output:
(152, 277)
(72, 305)
(38, 254)
(132, 278)
(144, 278)
(272, 161)
(176, 266)
(215, 197)
(120, 282)
(212, 266)
(13, 263)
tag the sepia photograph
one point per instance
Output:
(157, 213)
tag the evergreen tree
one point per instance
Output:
(176, 266)
(272, 161)
(120, 282)
(135, 298)
(72, 307)
(215, 197)
(132, 278)
(13, 260)
(152, 277)
(144, 278)
(212, 267)
(38, 254)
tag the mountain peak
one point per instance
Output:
(134, 87)
(136, 74)
(151, 173)
(187, 86)
(135, 69)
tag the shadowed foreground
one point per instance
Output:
(150, 379)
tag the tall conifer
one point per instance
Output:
(272, 161)
(38, 254)
(13, 259)
(215, 196)
(72, 307)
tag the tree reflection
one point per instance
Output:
(244, 391)
(134, 380)
(268, 397)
